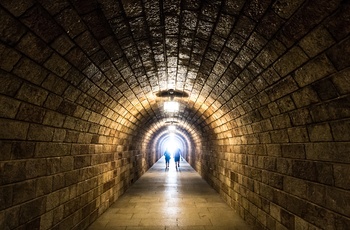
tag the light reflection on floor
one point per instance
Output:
(170, 199)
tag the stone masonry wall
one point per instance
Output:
(282, 158)
(269, 91)
(66, 144)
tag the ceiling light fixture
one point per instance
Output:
(171, 106)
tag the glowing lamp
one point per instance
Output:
(171, 106)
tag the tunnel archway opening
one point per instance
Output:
(172, 142)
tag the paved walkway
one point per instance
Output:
(170, 200)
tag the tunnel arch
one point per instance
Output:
(266, 117)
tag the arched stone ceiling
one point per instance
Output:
(121, 53)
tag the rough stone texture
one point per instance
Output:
(266, 122)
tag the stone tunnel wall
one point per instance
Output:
(67, 152)
(279, 153)
(61, 164)
(282, 156)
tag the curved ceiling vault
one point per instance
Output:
(152, 46)
(219, 52)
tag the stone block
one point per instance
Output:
(43, 186)
(58, 214)
(286, 104)
(293, 151)
(10, 129)
(57, 65)
(314, 70)
(22, 150)
(267, 56)
(88, 43)
(6, 197)
(59, 135)
(35, 168)
(71, 136)
(51, 149)
(341, 81)
(71, 206)
(13, 171)
(324, 173)
(298, 135)
(295, 186)
(6, 150)
(78, 59)
(53, 101)
(341, 176)
(270, 24)
(30, 71)
(279, 136)
(283, 87)
(10, 84)
(53, 119)
(300, 117)
(320, 132)
(24, 191)
(82, 161)
(316, 41)
(273, 150)
(304, 97)
(281, 121)
(291, 61)
(46, 221)
(338, 24)
(58, 182)
(39, 21)
(53, 200)
(67, 107)
(284, 166)
(40, 133)
(319, 216)
(8, 107)
(339, 54)
(341, 130)
(31, 210)
(10, 29)
(304, 170)
(71, 177)
(275, 212)
(62, 44)
(287, 219)
(12, 57)
(55, 84)
(273, 108)
(34, 47)
(334, 152)
(332, 110)
(66, 163)
(275, 180)
(30, 113)
(285, 9)
(341, 222)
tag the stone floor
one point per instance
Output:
(170, 199)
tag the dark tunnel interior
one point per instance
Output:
(263, 88)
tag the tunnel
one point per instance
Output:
(263, 93)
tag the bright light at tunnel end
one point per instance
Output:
(172, 144)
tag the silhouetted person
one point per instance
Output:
(167, 158)
(177, 157)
